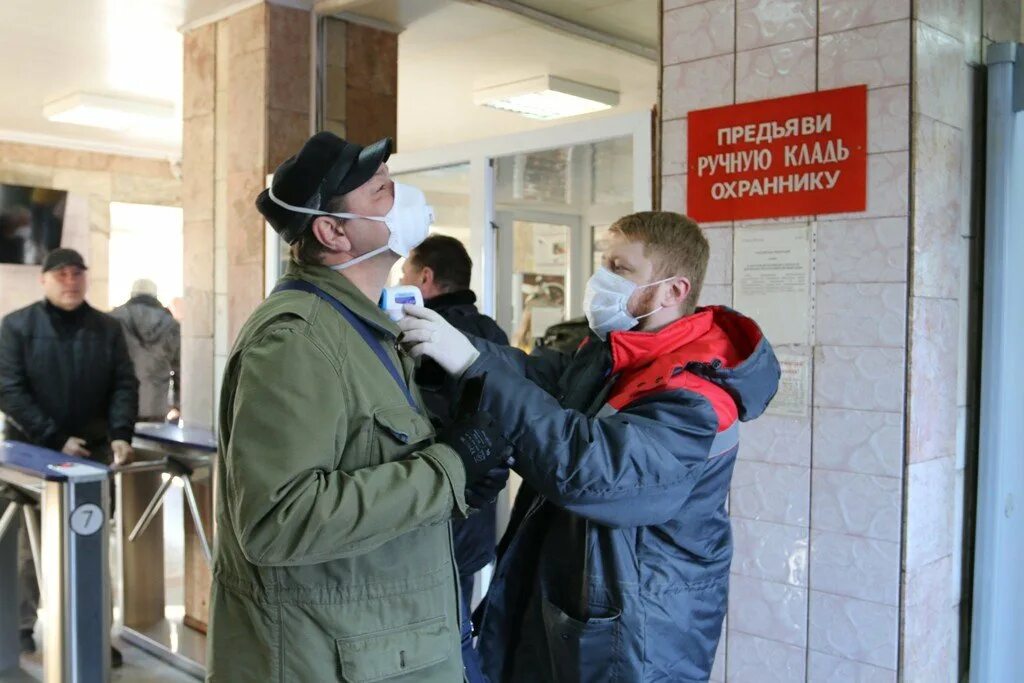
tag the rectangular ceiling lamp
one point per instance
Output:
(103, 111)
(546, 98)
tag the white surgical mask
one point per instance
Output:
(606, 302)
(408, 221)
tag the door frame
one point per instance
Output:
(577, 275)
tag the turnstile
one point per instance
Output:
(165, 452)
(70, 550)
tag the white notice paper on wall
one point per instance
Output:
(794, 395)
(772, 281)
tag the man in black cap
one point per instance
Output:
(66, 383)
(334, 558)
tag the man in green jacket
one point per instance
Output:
(334, 556)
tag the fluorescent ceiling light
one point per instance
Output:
(546, 97)
(112, 113)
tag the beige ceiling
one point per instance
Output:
(113, 47)
(636, 20)
(132, 48)
(460, 47)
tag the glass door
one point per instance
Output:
(552, 211)
(538, 257)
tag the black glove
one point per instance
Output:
(470, 397)
(475, 435)
(479, 442)
(486, 490)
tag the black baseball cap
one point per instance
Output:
(325, 167)
(58, 258)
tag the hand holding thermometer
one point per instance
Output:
(393, 298)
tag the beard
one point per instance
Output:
(644, 304)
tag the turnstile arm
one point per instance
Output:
(32, 527)
(196, 519)
(151, 510)
(9, 514)
(182, 471)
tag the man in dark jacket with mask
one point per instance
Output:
(154, 342)
(616, 563)
(441, 268)
(66, 383)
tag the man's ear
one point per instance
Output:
(677, 292)
(330, 232)
(426, 276)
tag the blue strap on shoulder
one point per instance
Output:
(355, 321)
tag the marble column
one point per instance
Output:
(246, 108)
(360, 81)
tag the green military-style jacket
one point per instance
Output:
(334, 559)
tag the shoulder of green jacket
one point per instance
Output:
(299, 315)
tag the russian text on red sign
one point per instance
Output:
(792, 156)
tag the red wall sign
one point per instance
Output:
(793, 156)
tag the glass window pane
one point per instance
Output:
(541, 267)
(536, 177)
(613, 171)
(600, 233)
(447, 190)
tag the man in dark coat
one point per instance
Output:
(66, 383)
(441, 268)
(154, 342)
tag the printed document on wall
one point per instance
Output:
(794, 395)
(772, 281)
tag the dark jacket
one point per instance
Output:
(564, 337)
(154, 343)
(474, 536)
(66, 374)
(615, 566)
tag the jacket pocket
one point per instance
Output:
(398, 431)
(582, 651)
(394, 652)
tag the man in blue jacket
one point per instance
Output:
(615, 566)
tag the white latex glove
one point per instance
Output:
(426, 333)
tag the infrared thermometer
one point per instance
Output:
(393, 298)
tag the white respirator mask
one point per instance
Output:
(408, 221)
(606, 302)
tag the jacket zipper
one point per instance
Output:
(458, 599)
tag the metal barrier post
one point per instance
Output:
(74, 506)
(9, 647)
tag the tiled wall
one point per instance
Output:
(824, 587)
(96, 179)
(816, 500)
